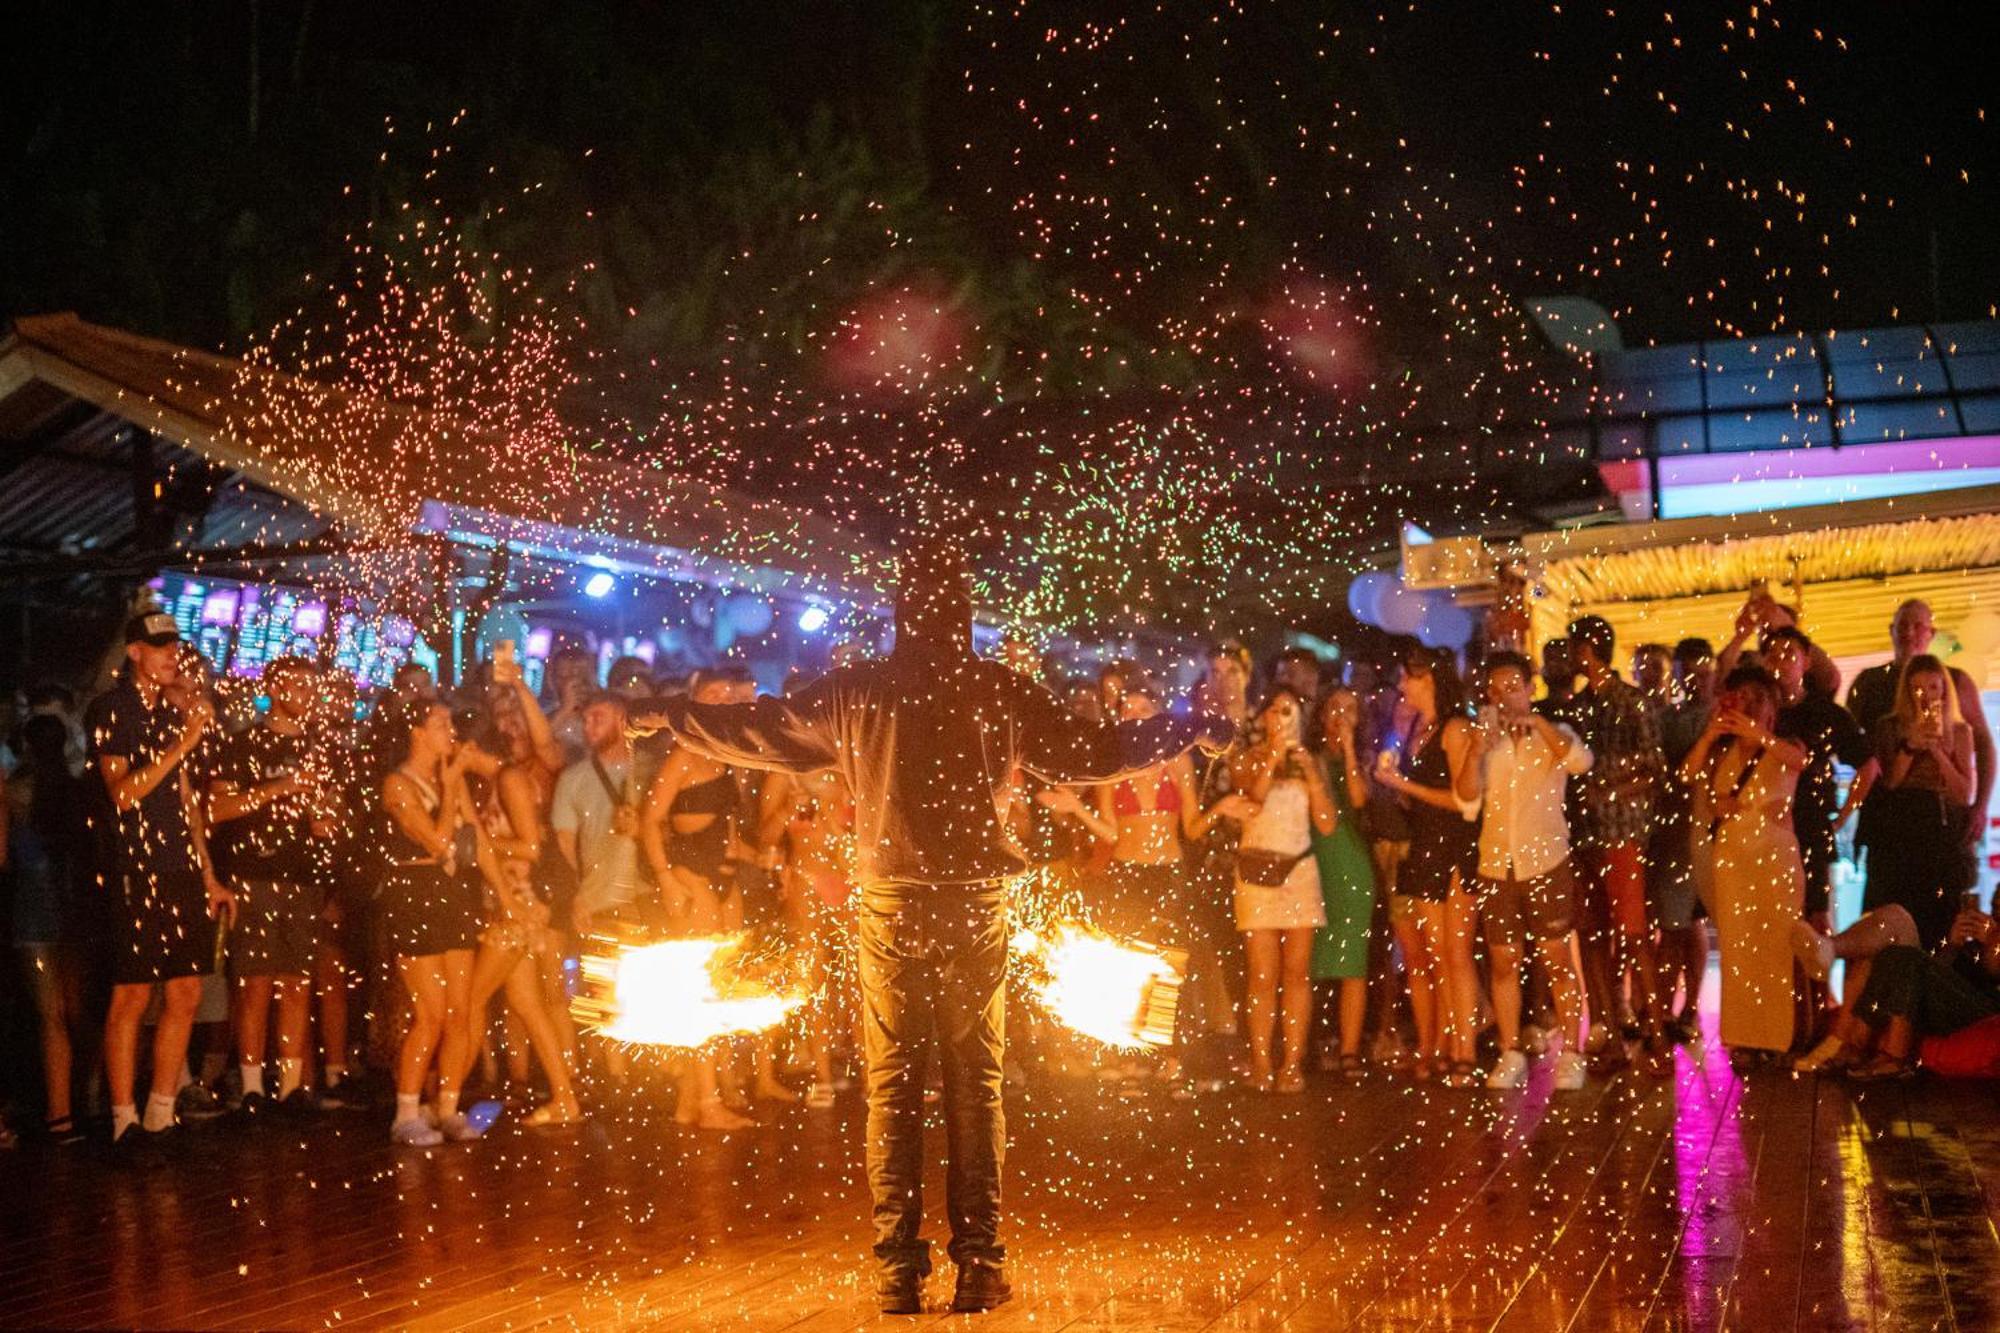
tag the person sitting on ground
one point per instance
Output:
(1912, 994)
(1857, 946)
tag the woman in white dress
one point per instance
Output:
(1278, 900)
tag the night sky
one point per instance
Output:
(1021, 253)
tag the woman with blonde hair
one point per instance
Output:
(1922, 800)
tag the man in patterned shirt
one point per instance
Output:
(1613, 819)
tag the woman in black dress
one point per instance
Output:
(432, 912)
(1434, 769)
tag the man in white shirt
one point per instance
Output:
(1524, 762)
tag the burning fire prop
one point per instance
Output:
(1121, 992)
(683, 993)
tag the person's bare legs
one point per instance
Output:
(1461, 975)
(1419, 967)
(178, 1002)
(1559, 963)
(50, 984)
(423, 978)
(330, 982)
(121, 1041)
(456, 1048)
(1353, 1013)
(524, 998)
(250, 1009)
(1295, 980)
(1385, 986)
(1504, 956)
(1874, 932)
(1595, 950)
(1263, 957)
(492, 965)
(293, 996)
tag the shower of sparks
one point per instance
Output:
(682, 994)
(1122, 993)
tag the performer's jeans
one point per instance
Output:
(933, 975)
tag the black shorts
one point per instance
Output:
(163, 930)
(425, 911)
(277, 928)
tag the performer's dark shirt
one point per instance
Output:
(927, 742)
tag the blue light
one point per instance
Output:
(813, 619)
(599, 584)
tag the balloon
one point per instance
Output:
(1363, 593)
(1400, 610)
(748, 614)
(1446, 624)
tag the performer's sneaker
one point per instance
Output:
(981, 1286)
(900, 1291)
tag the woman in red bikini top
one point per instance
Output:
(1151, 818)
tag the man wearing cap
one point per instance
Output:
(163, 932)
(928, 741)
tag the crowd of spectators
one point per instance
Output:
(262, 897)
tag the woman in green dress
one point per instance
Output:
(1346, 875)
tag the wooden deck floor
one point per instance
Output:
(1708, 1201)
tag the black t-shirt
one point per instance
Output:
(1829, 733)
(274, 841)
(153, 838)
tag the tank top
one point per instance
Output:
(401, 848)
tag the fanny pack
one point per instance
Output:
(1266, 870)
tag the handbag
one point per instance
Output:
(1266, 870)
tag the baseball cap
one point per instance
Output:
(154, 627)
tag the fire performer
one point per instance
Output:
(927, 740)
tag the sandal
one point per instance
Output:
(1882, 1069)
(552, 1115)
(1260, 1083)
(1290, 1083)
(1828, 1055)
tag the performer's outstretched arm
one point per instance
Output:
(792, 735)
(1058, 746)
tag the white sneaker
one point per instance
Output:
(414, 1134)
(1814, 951)
(1571, 1070)
(1511, 1072)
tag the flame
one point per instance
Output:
(1119, 992)
(682, 993)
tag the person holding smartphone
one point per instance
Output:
(1278, 900)
(1527, 888)
(172, 901)
(1922, 800)
(1745, 775)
